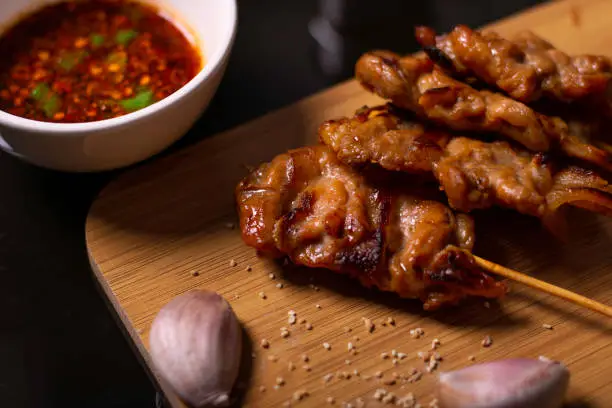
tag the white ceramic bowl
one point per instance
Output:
(118, 142)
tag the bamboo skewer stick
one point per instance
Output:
(544, 286)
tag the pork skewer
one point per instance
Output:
(527, 67)
(474, 174)
(308, 206)
(414, 83)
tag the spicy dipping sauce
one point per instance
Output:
(85, 61)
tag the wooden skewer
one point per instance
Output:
(544, 286)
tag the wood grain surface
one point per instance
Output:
(151, 229)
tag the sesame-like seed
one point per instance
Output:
(487, 341)
(391, 321)
(285, 333)
(233, 263)
(389, 381)
(330, 400)
(280, 285)
(435, 343)
(378, 374)
(368, 325)
(327, 346)
(394, 353)
(300, 395)
(384, 356)
(195, 273)
(402, 356)
(272, 276)
(328, 377)
(395, 361)
(262, 295)
(305, 358)
(389, 398)
(471, 358)
(433, 364)
(291, 366)
(395, 375)
(265, 343)
(354, 352)
(292, 319)
(379, 394)
(280, 381)
(356, 373)
(308, 326)
(547, 326)
(302, 320)
(273, 358)
(248, 268)
(306, 367)
(262, 388)
(433, 403)
(347, 362)
(347, 329)
(350, 346)
(318, 306)
(346, 375)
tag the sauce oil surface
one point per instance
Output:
(83, 61)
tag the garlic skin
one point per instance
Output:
(512, 383)
(195, 344)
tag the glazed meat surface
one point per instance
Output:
(307, 205)
(526, 67)
(474, 174)
(385, 136)
(414, 83)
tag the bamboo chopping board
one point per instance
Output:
(164, 228)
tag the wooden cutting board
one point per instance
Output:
(149, 230)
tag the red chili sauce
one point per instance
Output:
(86, 61)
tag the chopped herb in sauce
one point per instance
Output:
(141, 100)
(82, 61)
(123, 37)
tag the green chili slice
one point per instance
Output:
(141, 100)
(123, 37)
(96, 40)
(46, 100)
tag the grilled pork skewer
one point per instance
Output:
(307, 205)
(527, 67)
(414, 83)
(474, 174)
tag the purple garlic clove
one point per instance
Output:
(513, 383)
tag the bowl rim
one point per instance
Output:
(212, 65)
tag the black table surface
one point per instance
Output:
(60, 342)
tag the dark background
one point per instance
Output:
(60, 345)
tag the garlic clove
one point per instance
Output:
(524, 383)
(195, 344)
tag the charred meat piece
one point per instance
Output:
(474, 174)
(307, 205)
(385, 136)
(414, 83)
(527, 67)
